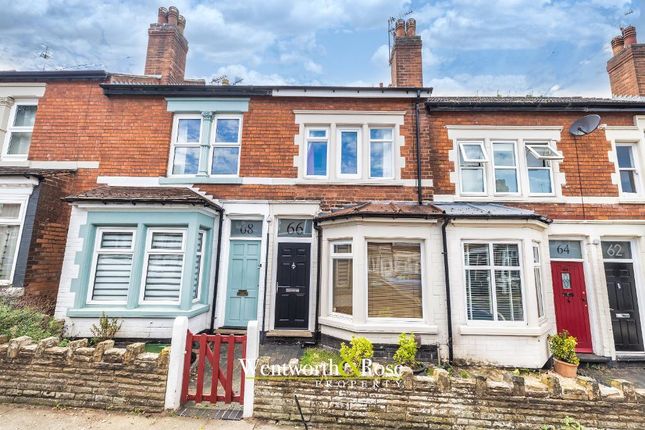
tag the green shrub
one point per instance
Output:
(25, 321)
(106, 329)
(316, 356)
(563, 347)
(361, 348)
(567, 424)
(406, 355)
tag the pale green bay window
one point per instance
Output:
(132, 266)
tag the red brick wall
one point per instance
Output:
(627, 71)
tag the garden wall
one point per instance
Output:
(101, 377)
(442, 402)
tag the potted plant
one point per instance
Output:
(563, 348)
(406, 355)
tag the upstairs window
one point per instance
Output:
(317, 143)
(187, 138)
(381, 153)
(505, 167)
(493, 282)
(472, 156)
(19, 130)
(349, 153)
(627, 169)
(226, 146)
(540, 172)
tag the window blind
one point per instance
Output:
(394, 280)
(342, 285)
(164, 268)
(113, 267)
(198, 265)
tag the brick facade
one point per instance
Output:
(627, 66)
(167, 47)
(405, 59)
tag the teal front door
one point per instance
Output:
(243, 281)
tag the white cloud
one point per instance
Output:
(235, 72)
(381, 56)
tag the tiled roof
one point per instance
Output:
(164, 195)
(432, 210)
(535, 102)
(28, 171)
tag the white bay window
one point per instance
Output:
(114, 251)
(164, 262)
(342, 281)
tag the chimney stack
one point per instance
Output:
(405, 58)
(626, 68)
(167, 46)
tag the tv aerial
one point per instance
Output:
(391, 26)
(585, 125)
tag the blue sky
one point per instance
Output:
(516, 47)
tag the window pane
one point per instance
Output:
(627, 181)
(185, 161)
(349, 152)
(345, 248)
(616, 249)
(342, 288)
(506, 254)
(227, 130)
(9, 210)
(19, 142)
(504, 154)
(565, 249)
(540, 181)
(624, 154)
(537, 273)
(8, 243)
(116, 240)
(225, 160)
(317, 133)
(544, 150)
(394, 280)
(198, 264)
(532, 161)
(167, 241)
(188, 130)
(480, 303)
(294, 227)
(506, 180)
(380, 160)
(246, 228)
(381, 134)
(473, 151)
(25, 116)
(472, 180)
(163, 277)
(316, 158)
(476, 254)
(112, 278)
(509, 295)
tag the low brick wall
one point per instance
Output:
(101, 377)
(442, 402)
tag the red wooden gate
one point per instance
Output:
(209, 350)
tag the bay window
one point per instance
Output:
(537, 274)
(19, 131)
(10, 222)
(342, 278)
(627, 169)
(493, 281)
(394, 280)
(164, 262)
(381, 153)
(317, 143)
(112, 265)
(199, 264)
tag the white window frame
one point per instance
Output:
(635, 162)
(392, 151)
(515, 168)
(548, 160)
(368, 318)
(95, 255)
(339, 152)
(479, 143)
(175, 130)
(537, 266)
(200, 252)
(491, 268)
(340, 256)
(20, 222)
(149, 251)
(308, 139)
(11, 129)
(214, 144)
(556, 155)
(462, 164)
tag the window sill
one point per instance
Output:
(200, 180)
(140, 312)
(372, 182)
(636, 200)
(417, 327)
(466, 330)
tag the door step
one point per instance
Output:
(592, 358)
(290, 333)
(224, 330)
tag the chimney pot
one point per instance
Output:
(400, 28)
(173, 15)
(411, 27)
(181, 23)
(162, 17)
(629, 36)
(617, 44)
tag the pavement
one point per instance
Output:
(633, 372)
(20, 417)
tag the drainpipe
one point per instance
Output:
(418, 147)
(264, 295)
(318, 271)
(446, 221)
(217, 258)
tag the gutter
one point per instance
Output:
(317, 333)
(217, 263)
(416, 120)
(57, 75)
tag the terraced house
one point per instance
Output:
(480, 224)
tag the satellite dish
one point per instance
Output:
(585, 125)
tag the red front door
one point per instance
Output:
(570, 296)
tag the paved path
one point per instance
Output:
(634, 372)
(18, 417)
